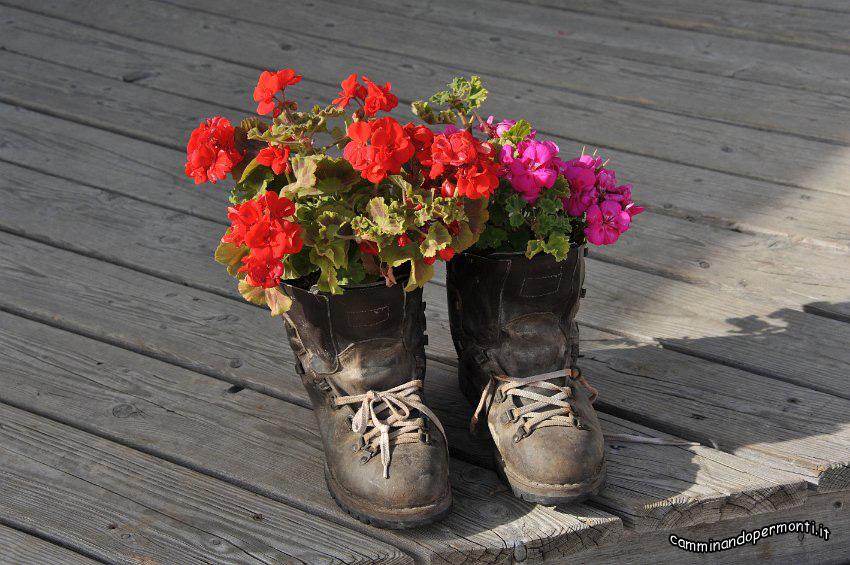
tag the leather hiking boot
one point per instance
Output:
(361, 357)
(513, 325)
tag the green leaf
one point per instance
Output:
(420, 273)
(297, 265)
(438, 238)
(253, 294)
(558, 246)
(231, 256)
(277, 301)
(515, 206)
(304, 170)
(534, 247)
(464, 238)
(330, 185)
(492, 238)
(273, 297)
(517, 133)
(387, 221)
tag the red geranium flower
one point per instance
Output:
(270, 84)
(466, 165)
(262, 269)
(211, 152)
(263, 226)
(403, 240)
(378, 148)
(378, 98)
(447, 254)
(368, 247)
(350, 89)
(422, 138)
(475, 181)
(276, 158)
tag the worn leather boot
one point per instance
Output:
(513, 325)
(361, 357)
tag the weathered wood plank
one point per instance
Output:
(830, 510)
(628, 302)
(123, 506)
(813, 115)
(673, 247)
(105, 303)
(261, 444)
(650, 487)
(765, 23)
(633, 41)
(723, 147)
(21, 548)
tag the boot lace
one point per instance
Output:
(543, 410)
(386, 418)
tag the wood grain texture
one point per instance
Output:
(707, 196)
(829, 510)
(813, 115)
(651, 487)
(766, 23)
(21, 548)
(681, 49)
(767, 339)
(262, 444)
(122, 506)
(164, 317)
(596, 122)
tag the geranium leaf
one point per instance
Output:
(253, 294)
(438, 237)
(277, 301)
(384, 218)
(231, 256)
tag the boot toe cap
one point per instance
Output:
(556, 455)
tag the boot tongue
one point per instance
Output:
(374, 365)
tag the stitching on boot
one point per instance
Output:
(534, 287)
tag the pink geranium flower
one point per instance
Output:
(535, 167)
(605, 222)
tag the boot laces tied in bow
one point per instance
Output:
(543, 410)
(386, 417)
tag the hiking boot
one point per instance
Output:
(513, 326)
(361, 357)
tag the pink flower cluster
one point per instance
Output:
(531, 166)
(594, 191)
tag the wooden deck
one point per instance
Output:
(149, 415)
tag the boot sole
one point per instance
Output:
(547, 494)
(398, 519)
(529, 491)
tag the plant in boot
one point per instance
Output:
(338, 215)
(513, 297)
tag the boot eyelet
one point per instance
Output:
(520, 433)
(425, 437)
(350, 420)
(324, 386)
(365, 459)
(358, 445)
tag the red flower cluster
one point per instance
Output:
(378, 148)
(373, 98)
(211, 152)
(274, 157)
(261, 224)
(467, 164)
(267, 88)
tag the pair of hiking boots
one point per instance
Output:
(361, 356)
